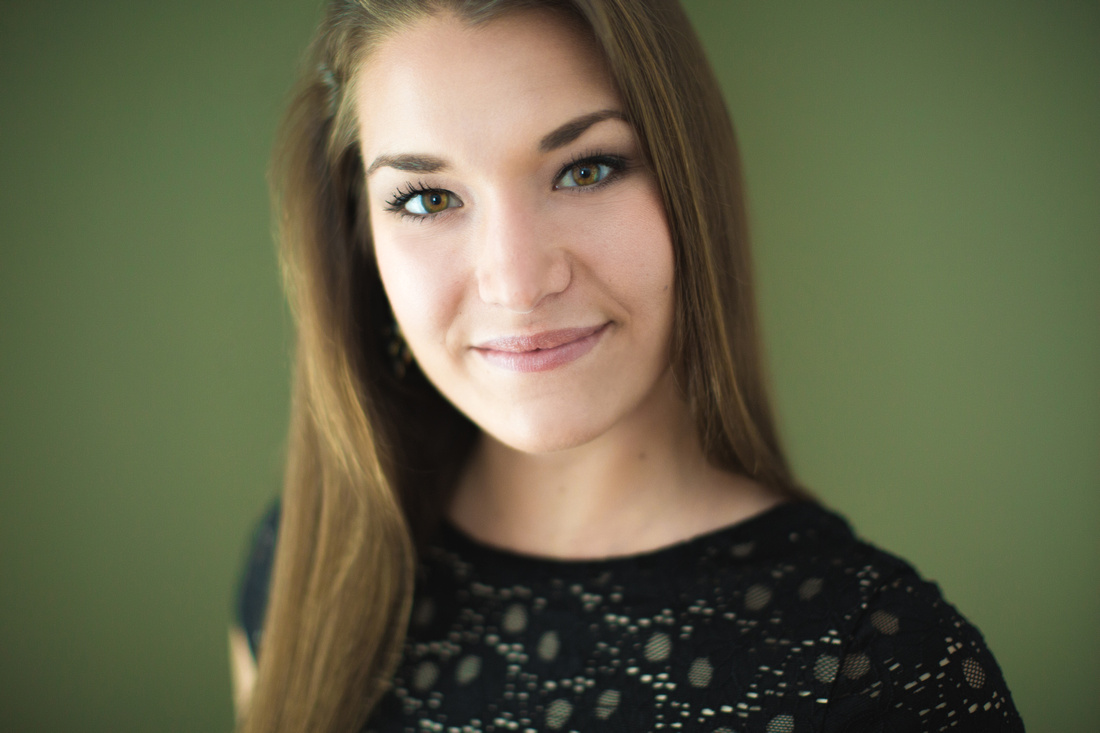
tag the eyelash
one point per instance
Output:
(617, 163)
(400, 198)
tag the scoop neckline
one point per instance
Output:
(758, 526)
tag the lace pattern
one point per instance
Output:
(784, 623)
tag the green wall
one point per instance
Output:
(925, 187)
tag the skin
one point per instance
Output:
(242, 667)
(596, 457)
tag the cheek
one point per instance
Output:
(635, 252)
(421, 286)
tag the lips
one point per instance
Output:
(541, 351)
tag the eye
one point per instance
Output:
(584, 173)
(420, 202)
(430, 202)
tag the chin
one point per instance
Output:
(540, 436)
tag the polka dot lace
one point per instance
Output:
(782, 624)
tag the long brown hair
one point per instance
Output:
(371, 455)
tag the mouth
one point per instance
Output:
(541, 351)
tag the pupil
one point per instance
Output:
(435, 199)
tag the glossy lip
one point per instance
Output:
(541, 352)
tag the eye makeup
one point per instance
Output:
(589, 172)
(421, 201)
(421, 193)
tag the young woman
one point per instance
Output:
(534, 482)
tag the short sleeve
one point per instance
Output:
(256, 579)
(914, 664)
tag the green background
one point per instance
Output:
(924, 180)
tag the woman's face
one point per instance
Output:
(521, 241)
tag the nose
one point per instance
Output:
(521, 258)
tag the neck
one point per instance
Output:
(643, 485)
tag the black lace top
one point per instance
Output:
(781, 624)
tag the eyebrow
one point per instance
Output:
(417, 163)
(559, 137)
(573, 129)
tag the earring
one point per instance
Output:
(397, 349)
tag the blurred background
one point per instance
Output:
(924, 180)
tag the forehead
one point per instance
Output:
(442, 83)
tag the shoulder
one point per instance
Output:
(835, 630)
(255, 581)
(912, 662)
(903, 658)
(808, 560)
